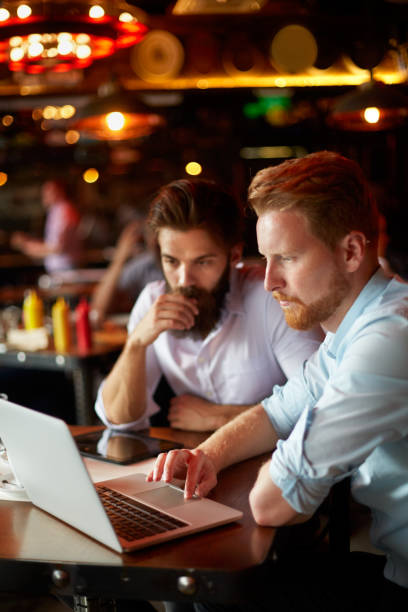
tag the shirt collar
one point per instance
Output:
(370, 292)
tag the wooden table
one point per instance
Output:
(39, 554)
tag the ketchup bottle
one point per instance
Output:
(33, 311)
(61, 325)
(83, 326)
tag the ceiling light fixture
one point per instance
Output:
(116, 115)
(372, 106)
(202, 7)
(55, 35)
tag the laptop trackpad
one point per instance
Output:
(164, 497)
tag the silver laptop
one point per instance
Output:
(48, 464)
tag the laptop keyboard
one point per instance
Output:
(133, 520)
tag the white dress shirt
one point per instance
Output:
(249, 351)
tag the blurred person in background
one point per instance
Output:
(61, 246)
(134, 264)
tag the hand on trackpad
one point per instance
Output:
(164, 497)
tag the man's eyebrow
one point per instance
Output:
(205, 256)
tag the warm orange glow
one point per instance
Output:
(72, 137)
(372, 114)
(3, 178)
(68, 111)
(115, 121)
(91, 175)
(7, 120)
(49, 112)
(193, 168)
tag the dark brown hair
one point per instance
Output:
(329, 189)
(197, 203)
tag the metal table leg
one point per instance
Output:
(82, 603)
(83, 390)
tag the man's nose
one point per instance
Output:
(185, 276)
(273, 279)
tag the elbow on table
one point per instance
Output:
(265, 514)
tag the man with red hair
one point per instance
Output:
(346, 413)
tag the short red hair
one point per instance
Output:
(327, 188)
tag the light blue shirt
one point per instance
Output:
(347, 414)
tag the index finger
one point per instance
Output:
(177, 298)
(165, 465)
(194, 467)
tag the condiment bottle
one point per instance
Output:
(33, 311)
(61, 325)
(83, 326)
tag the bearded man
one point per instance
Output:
(219, 339)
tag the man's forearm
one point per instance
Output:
(227, 412)
(104, 292)
(124, 391)
(248, 435)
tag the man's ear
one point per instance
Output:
(236, 253)
(354, 246)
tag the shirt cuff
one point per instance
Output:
(142, 423)
(272, 407)
(291, 472)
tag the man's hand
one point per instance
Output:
(18, 240)
(169, 311)
(193, 413)
(192, 465)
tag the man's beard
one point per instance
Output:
(209, 304)
(302, 316)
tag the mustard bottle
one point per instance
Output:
(33, 311)
(61, 325)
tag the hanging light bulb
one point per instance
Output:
(116, 115)
(23, 11)
(115, 121)
(96, 11)
(371, 114)
(371, 106)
